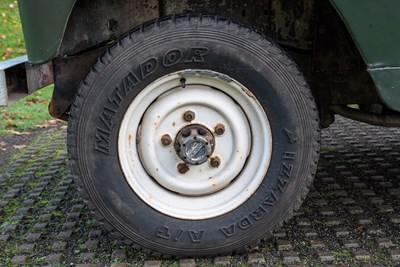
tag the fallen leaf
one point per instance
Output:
(19, 146)
(2, 143)
(18, 133)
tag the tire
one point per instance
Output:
(180, 79)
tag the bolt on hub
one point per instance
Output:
(189, 116)
(194, 144)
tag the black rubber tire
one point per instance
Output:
(235, 50)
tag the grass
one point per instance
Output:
(27, 114)
(32, 111)
(11, 39)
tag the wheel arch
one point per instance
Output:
(295, 25)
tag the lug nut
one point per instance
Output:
(185, 132)
(183, 168)
(220, 129)
(201, 131)
(215, 162)
(166, 140)
(188, 116)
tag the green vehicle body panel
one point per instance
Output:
(44, 23)
(373, 25)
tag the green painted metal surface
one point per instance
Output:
(387, 81)
(374, 25)
(43, 23)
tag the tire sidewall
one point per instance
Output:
(109, 96)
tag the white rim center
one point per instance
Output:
(203, 191)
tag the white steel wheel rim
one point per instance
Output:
(203, 192)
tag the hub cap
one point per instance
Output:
(194, 144)
(201, 150)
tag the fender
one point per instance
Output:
(374, 28)
(44, 23)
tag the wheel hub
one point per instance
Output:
(194, 144)
(169, 130)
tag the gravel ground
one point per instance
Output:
(351, 216)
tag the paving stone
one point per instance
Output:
(91, 244)
(359, 185)
(4, 237)
(340, 193)
(16, 218)
(73, 215)
(95, 233)
(279, 234)
(77, 207)
(187, 263)
(27, 247)
(119, 254)
(394, 254)
(326, 211)
(342, 232)
(59, 246)
(86, 257)
(395, 219)
(350, 243)
(256, 258)
(375, 231)
(9, 196)
(376, 200)
(22, 210)
(284, 244)
(64, 234)
(55, 201)
(290, 257)
(34, 195)
(386, 184)
(333, 221)
(222, 260)
(368, 193)
(317, 244)
(394, 191)
(51, 207)
(362, 255)
(355, 210)
(60, 194)
(40, 226)
(68, 225)
(45, 217)
(386, 209)
(310, 232)
(303, 221)
(325, 256)
(320, 202)
(152, 263)
(364, 220)
(19, 259)
(32, 237)
(54, 258)
(384, 242)
(28, 202)
(347, 201)
(10, 228)
(64, 188)
(119, 265)
(19, 185)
